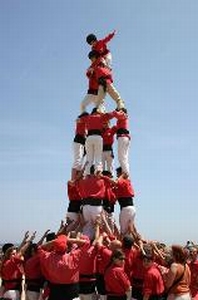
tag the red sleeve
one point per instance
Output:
(108, 38)
(123, 279)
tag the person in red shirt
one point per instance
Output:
(193, 265)
(75, 199)
(127, 248)
(79, 144)
(153, 286)
(92, 190)
(124, 192)
(33, 276)
(103, 260)
(92, 92)
(108, 140)
(94, 143)
(87, 271)
(117, 282)
(105, 80)
(61, 268)
(12, 267)
(101, 46)
(123, 138)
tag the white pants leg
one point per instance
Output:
(31, 295)
(123, 153)
(107, 161)
(12, 294)
(86, 296)
(114, 94)
(78, 153)
(108, 59)
(92, 99)
(90, 214)
(72, 216)
(93, 146)
(127, 215)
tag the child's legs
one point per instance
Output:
(114, 94)
(78, 153)
(108, 59)
(123, 153)
(89, 146)
(98, 152)
(88, 99)
(127, 216)
(100, 97)
(107, 160)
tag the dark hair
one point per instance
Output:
(117, 254)
(31, 247)
(93, 53)
(50, 236)
(92, 169)
(107, 173)
(119, 170)
(6, 247)
(122, 109)
(91, 38)
(127, 241)
(179, 254)
(83, 114)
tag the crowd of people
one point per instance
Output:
(68, 265)
(91, 256)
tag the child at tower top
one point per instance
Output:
(101, 46)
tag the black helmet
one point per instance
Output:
(93, 53)
(91, 38)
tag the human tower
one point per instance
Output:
(92, 188)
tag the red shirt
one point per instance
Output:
(194, 277)
(124, 188)
(62, 268)
(93, 82)
(108, 135)
(73, 191)
(153, 282)
(32, 268)
(92, 187)
(88, 264)
(95, 121)
(80, 126)
(129, 259)
(11, 270)
(103, 71)
(109, 192)
(137, 268)
(116, 281)
(122, 122)
(103, 259)
(101, 45)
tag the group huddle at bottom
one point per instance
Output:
(70, 265)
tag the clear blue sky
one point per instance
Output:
(43, 58)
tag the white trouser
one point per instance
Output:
(90, 213)
(113, 93)
(78, 153)
(86, 296)
(108, 59)
(72, 216)
(123, 153)
(126, 217)
(93, 146)
(12, 294)
(31, 295)
(90, 98)
(186, 296)
(107, 161)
